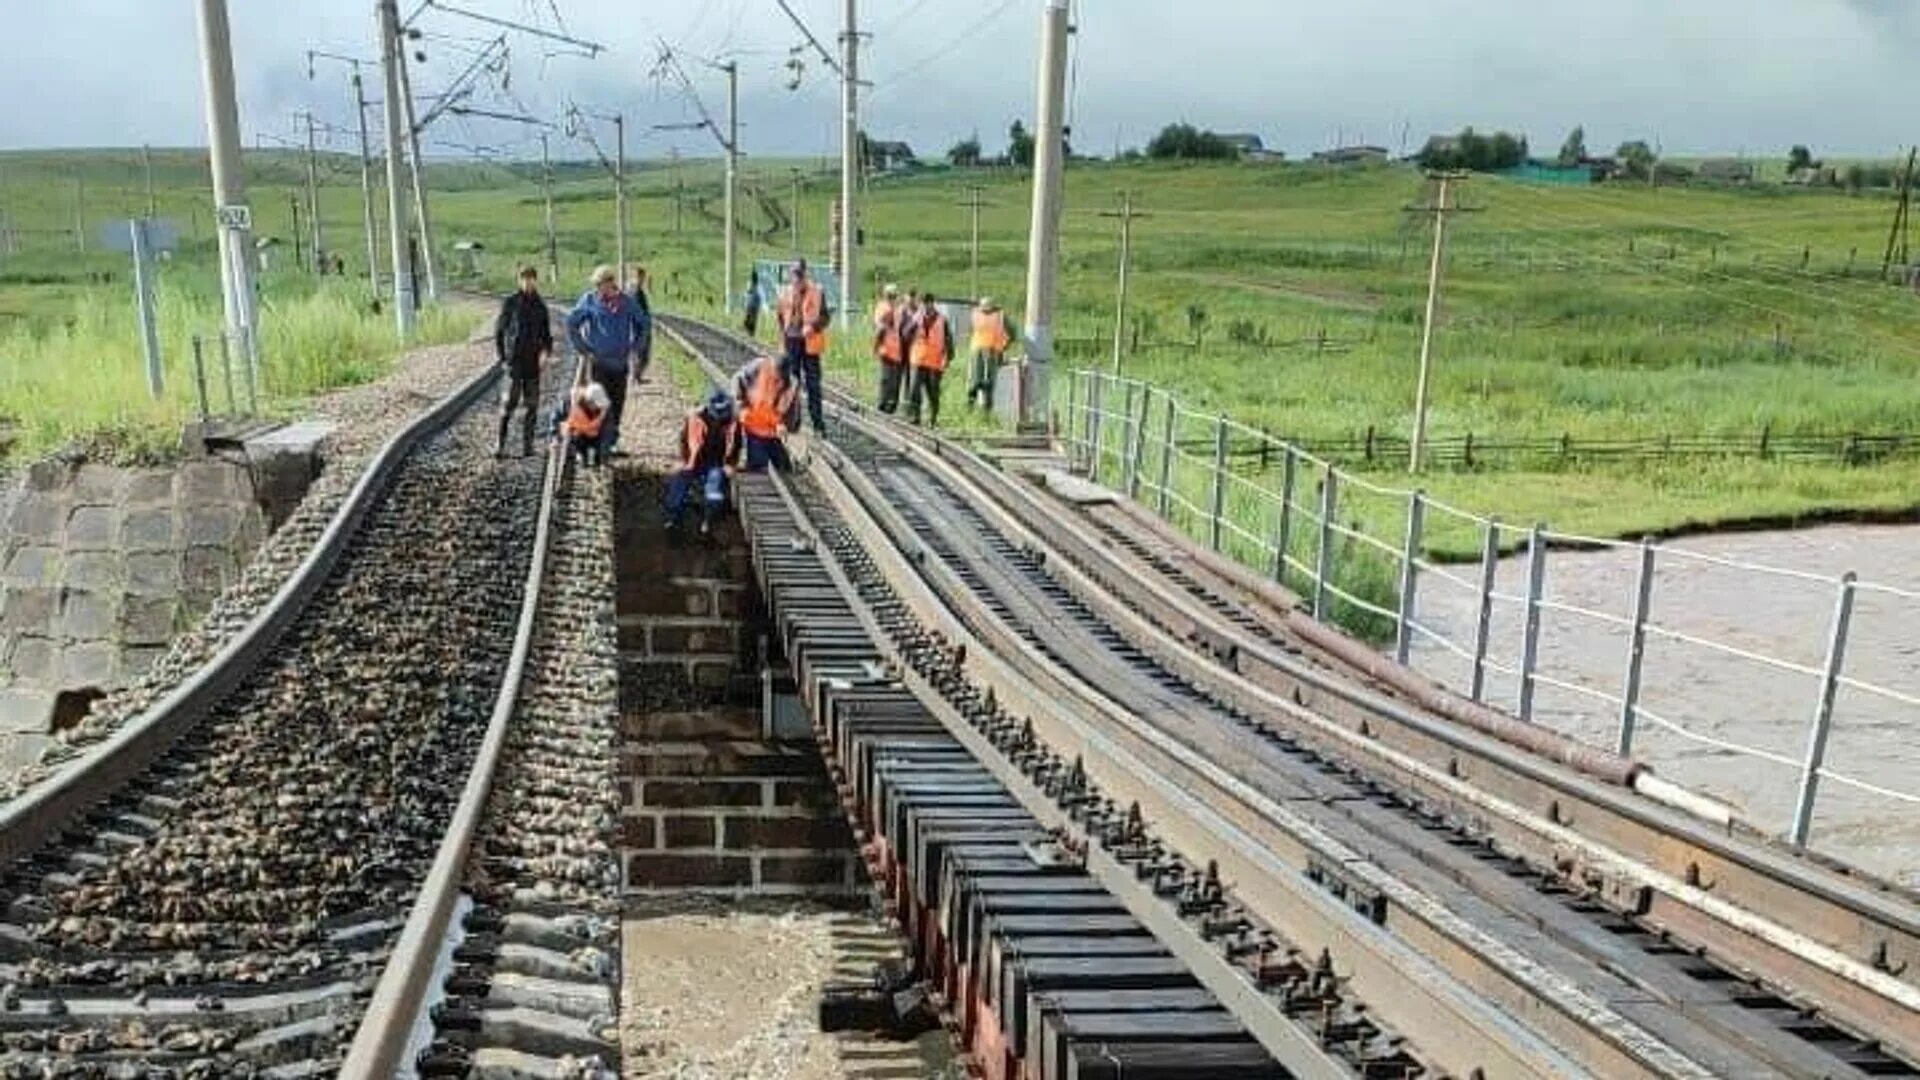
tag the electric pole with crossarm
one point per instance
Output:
(1440, 209)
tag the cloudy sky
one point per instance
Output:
(1690, 75)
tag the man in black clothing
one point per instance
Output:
(522, 337)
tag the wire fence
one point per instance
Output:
(1664, 646)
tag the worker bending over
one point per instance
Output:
(803, 334)
(991, 336)
(709, 451)
(929, 345)
(581, 421)
(766, 395)
(887, 348)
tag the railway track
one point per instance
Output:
(227, 885)
(1481, 908)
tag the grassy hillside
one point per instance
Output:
(1290, 297)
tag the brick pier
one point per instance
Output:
(717, 795)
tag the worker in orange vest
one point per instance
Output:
(581, 422)
(929, 347)
(709, 450)
(888, 349)
(765, 394)
(803, 332)
(991, 336)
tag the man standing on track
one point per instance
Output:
(803, 333)
(645, 303)
(608, 326)
(766, 397)
(989, 346)
(887, 348)
(522, 338)
(929, 346)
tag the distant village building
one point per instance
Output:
(1814, 176)
(1725, 171)
(887, 156)
(1351, 155)
(1251, 148)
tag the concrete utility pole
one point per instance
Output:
(143, 301)
(146, 166)
(1043, 245)
(546, 191)
(974, 191)
(390, 59)
(1440, 209)
(620, 195)
(1126, 214)
(313, 200)
(850, 162)
(795, 217)
(229, 182)
(732, 69)
(427, 261)
(369, 223)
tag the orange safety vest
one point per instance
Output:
(886, 325)
(767, 401)
(697, 437)
(989, 332)
(930, 344)
(801, 314)
(583, 423)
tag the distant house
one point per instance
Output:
(886, 156)
(1725, 171)
(1821, 176)
(1351, 155)
(1603, 168)
(1245, 145)
(1438, 146)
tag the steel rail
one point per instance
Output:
(40, 813)
(1456, 1026)
(1822, 937)
(1815, 935)
(394, 1013)
(1812, 934)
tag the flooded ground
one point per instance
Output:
(1717, 699)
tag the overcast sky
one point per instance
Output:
(1690, 75)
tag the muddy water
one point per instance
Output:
(1717, 697)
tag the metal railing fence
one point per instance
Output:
(1358, 553)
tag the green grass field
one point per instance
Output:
(1291, 298)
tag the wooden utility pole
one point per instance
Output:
(1897, 235)
(146, 166)
(1126, 214)
(1440, 209)
(80, 213)
(973, 203)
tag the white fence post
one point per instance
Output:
(1323, 559)
(1409, 575)
(1166, 458)
(1823, 712)
(1489, 567)
(1137, 443)
(1096, 427)
(1076, 423)
(1530, 646)
(1636, 649)
(1289, 467)
(1219, 498)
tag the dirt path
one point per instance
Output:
(1728, 698)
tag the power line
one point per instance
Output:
(980, 24)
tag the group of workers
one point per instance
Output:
(913, 343)
(744, 425)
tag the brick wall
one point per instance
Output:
(712, 797)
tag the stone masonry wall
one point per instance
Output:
(714, 798)
(99, 567)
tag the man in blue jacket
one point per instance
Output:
(611, 328)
